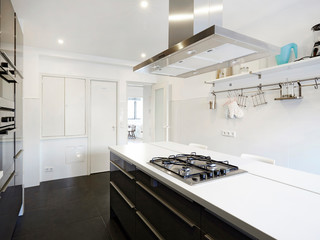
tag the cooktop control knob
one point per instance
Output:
(203, 176)
(223, 171)
(210, 175)
(216, 173)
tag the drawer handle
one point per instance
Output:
(146, 222)
(131, 205)
(183, 218)
(18, 154)
(207, 236)
(122, 170)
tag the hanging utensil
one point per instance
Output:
(242, 99)
(290, 88)
(259, 98)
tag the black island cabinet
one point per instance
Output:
(149, 209)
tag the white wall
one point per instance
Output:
(52, 153)
(276, 22)
(286, 131)
(135, 91)
(67, 157)
(147, 117)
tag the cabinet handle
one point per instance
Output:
(5, 186)
(183, 218)
(7, 59)
(131, 205)
(152, 228)
(207, 236)
(122, 170)
(18, 154)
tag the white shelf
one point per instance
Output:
(270, 70)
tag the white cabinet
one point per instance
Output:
(75, 107)
(52, 106)
(63, 107)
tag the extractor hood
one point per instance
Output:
(211, 49)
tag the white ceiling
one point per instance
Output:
(109, 28)
(122, 29)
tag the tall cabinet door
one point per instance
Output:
(102, 123)
(7, 29)
(75, 107)
(63, 107)
(52, 106)
(161, 97)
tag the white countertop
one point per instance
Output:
(288, 176)
(283, 203)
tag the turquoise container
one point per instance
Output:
(285, 53)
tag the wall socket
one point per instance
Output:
(228, 133)
(48, 169)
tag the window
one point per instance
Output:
(135, 108)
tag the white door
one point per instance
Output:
(161, 100)
(102, 124)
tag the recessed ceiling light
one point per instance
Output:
(144, 4)
(60, 41)
(143, 55)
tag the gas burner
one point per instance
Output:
(168, 165)
(184, 171)
(190, 160)
(168, 161)
(210, 166)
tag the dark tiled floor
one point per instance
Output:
(72, 208)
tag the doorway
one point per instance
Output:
(139, 113)
(103, 120)
(135, 113)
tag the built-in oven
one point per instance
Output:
(11, 141)
(11, 188)
(7, 134)
(7, 158)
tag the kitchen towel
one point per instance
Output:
(234, 111)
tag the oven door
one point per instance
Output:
(7, 158)
(10, 192)
(6, 93)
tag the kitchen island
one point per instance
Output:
(266, 202)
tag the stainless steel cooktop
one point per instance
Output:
(193, 168)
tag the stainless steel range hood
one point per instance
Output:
(211, 49)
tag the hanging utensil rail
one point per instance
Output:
(260, 86)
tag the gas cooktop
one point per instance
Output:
(193, 168)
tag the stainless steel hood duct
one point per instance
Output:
(211, 49)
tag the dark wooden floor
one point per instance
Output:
(72, 208)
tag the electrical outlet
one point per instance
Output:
(228, 133)
(48, 169)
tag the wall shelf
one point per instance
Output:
(270, 70)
